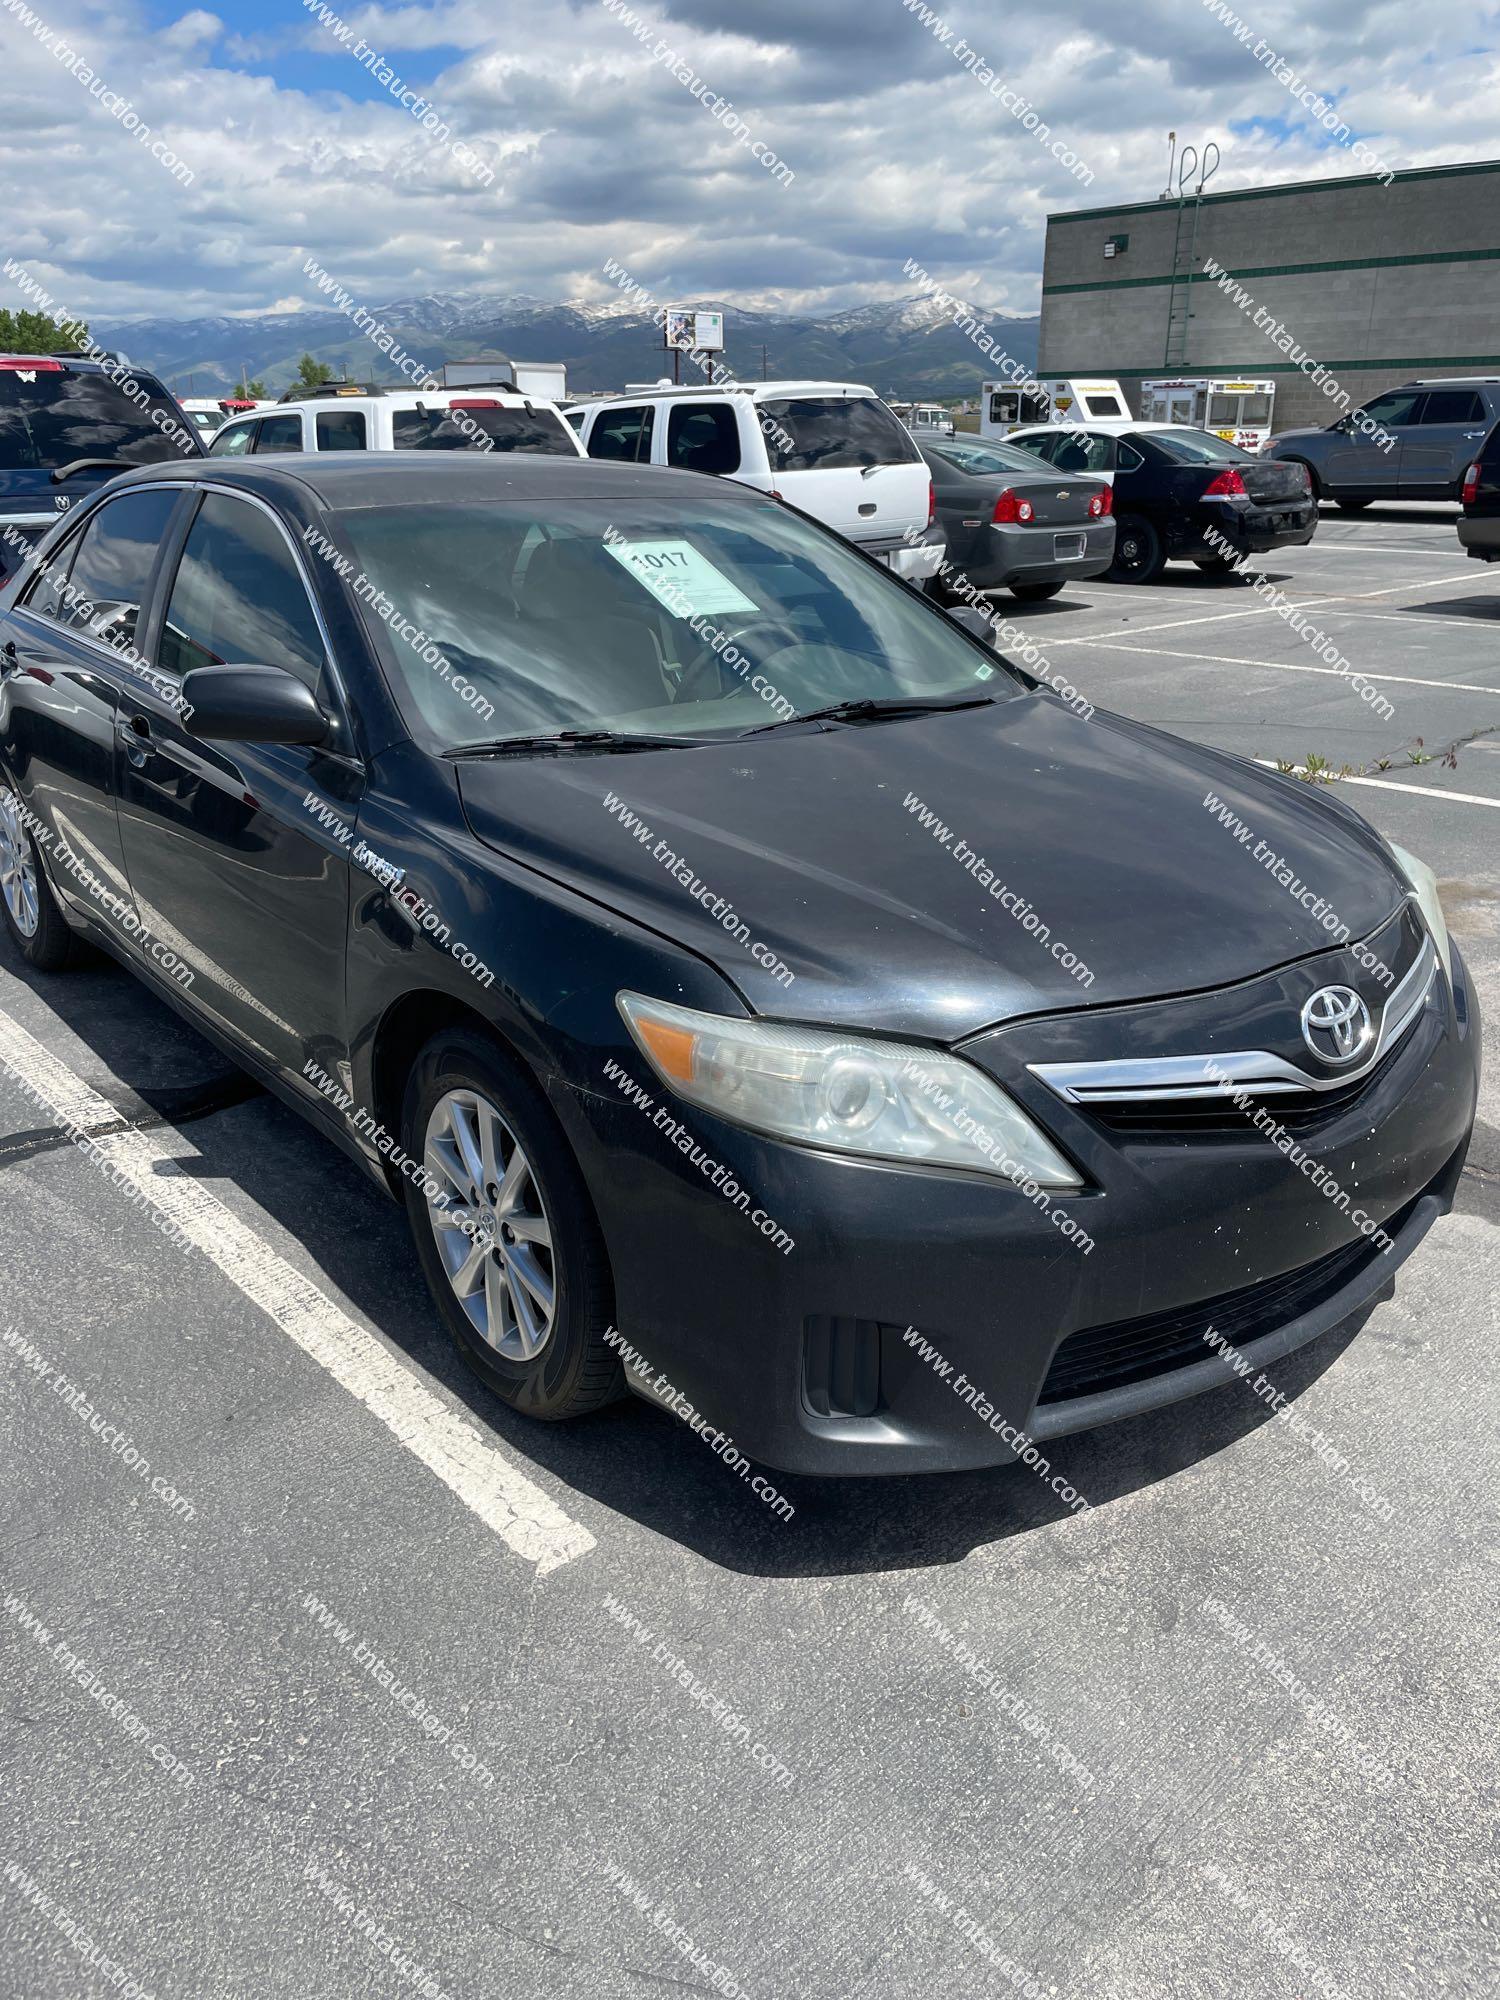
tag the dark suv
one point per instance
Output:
(1411, 443)
(1479, 529)
(68, 423)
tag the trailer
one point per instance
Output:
(1055, 399)
(1232, 407)
(545, 379)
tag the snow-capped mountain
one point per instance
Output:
(903, 347)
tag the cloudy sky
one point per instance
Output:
(595, 149)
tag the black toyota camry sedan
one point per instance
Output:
(719, 948)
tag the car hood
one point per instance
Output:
(809, 848)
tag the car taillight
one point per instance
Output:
(473, 403)
(1102, 503)
(1010, 508)
(1227, 486)
(1471, 484)
(29, 364)
(931, 503)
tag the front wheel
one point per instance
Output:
(37, 926)
(505, 1230)
(1032, 593)
(1138, 552)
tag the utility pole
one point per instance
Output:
(765, 371)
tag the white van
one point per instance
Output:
(1234, 409)
(1054, 399)
(342, 419)
(834, 449)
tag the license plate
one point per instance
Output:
(1067, 548)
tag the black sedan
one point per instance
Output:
(1479, 525)
(1182, 494)
(598, 856)
(1010, 523)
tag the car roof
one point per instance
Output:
(78, 364)
(1096, 427)
(755, 390)
(338, 480)
(1449, 382)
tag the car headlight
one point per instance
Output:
(847, 1093)
(1425, 894)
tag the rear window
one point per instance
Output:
(826, 433)
(982, 458)
(62, 414)
(1104, 406)
(482, 428)
(1195, 448)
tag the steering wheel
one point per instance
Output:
(694, 682)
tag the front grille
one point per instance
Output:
(1299, 1111)
(1132, 1350)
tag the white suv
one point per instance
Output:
(487, 419)
(834, 449)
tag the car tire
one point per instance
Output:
(33, 917)
(1221, 563)
(1138, 552)
(939, 591)
(1352, 504)
(1033, 593)
(549, 1361)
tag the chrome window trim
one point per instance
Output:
(1168, 1079)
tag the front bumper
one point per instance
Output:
(803, 1356)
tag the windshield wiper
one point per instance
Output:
(76, 465)
(572, 739)
(870, 709)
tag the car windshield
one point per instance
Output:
(983, 458)
(827, 433)
(648, 617)
(481, 426)
(57, 414)
(1197, 448)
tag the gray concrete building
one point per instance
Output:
(1374, 283)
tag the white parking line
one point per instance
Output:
(468, 1463)
(1285, 666)
(1390, 785)
(1272, 610)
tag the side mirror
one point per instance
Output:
(251, 705)
(973, 620)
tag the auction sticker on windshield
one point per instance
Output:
(681, 577)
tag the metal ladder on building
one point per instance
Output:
(1184, 270)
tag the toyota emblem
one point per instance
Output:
(1336, 1024)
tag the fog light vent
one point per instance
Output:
(841, 1367)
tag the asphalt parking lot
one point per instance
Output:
(543, 1707)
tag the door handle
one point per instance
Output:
(134, 732)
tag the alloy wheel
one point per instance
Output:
(17, 870)
(495, 1235)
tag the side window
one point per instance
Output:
(1452, 406)
(623, 433)
(105, 586)
(232, 440)
(238, 598)
(1005, 405)
(1398, 407)
(703, 437)
(1043, 444)
(44, 594)
(280, 433)
(1130, 460)
(341, 430)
